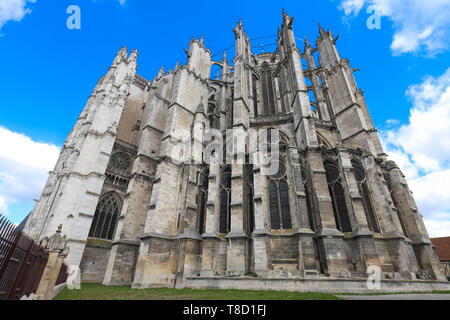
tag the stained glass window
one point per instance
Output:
(121, 161)
(225, 201)
(280, 214)
(284, 204)
(338, 197)
(105, 218)
(249, 189)
(267, 89)
(274, 206)
(255, 96)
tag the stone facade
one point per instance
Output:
(136, 213)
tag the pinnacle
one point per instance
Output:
(306, 41)
(320, 29)
(224, 58)
(200, 108)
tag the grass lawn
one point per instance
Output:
(385, 293)
(91, 291)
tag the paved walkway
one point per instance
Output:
(406, 296)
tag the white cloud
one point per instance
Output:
(426, 136)
(392, 122)
(421, 148)
(418, 24)
(3, 206)
(352, 7)
(24, 166)
(13, 10)
(432, 195)
(437, 228)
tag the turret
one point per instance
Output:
(327, 48)
(160, 72)
(241, 61)
(199, 58)
(85, 154)
(225, 67)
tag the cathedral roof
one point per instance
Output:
(442, 247)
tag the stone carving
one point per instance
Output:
(424, 275)
(57, 249)
(31, 297)
(345, 274)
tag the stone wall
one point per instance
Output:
(94, 261)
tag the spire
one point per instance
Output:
(177, 66)
(200, 108)
(122, 50)
(238, 27)
(201, 40)
(287, 20)
(335, 39)
(133, 55)
(321, 31)
(306, 42)
(121, 55)
(160, 72)
(224, 57)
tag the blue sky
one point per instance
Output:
(48, 72)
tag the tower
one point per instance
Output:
(73, 188)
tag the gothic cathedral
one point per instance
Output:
(135, 214)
